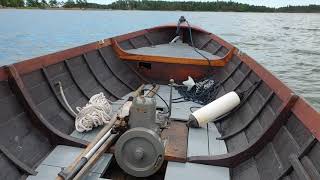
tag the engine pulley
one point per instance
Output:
(140, 152)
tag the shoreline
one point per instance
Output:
(101, 9)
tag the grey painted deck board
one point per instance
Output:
(198, 142)
(202, 141)
(61, 157)
(180, 50)
(45, 172)
(191, 171)
(216, 147)
(180, 111)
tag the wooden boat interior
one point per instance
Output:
(273, 135)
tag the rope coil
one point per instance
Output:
(95, 113)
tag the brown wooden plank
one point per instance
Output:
(130, 35)
(112, 71)
(132, 44)
(243, 101)
(30, 65)
(235, 158)
(55, 135)
(244, 78)
(243, 127)
(231, 73)
(148, 39)
(3, 74)
(58, 97)
(281, 90)
(194, 28)
(217, 50)
(298, 168)
(171, 60)
(301, 154)
(310, 168)
(205, 44)
(177, 142)
(308, 116)
(94, 74)
(75, 81)
(138, 74)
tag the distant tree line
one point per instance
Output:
(300, 9)
(12, 3)
(158, 5)
(204, 6)
(51, 4)
(187, 6)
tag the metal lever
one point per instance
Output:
(170, 102)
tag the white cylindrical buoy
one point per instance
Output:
(215, 109)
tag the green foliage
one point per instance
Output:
(204, 6)
(53, 3)
(300, 9)
(187, 6)
(32, 3)
(69, 4)
(12, 3)
(161, 5)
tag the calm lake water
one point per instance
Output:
(286, 44)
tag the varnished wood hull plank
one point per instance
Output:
(177, 142)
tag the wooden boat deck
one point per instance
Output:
(273, 135)
(200, 141)
(178, 50)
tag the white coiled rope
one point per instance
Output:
(96, 112)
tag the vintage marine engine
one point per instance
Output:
(140, 150)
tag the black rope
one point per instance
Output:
(202, 93)
(196, 50)
(197, 94)
(181, 20)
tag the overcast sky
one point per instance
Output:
(270, 3)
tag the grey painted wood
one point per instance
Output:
(181, 50)
(61, 157)
(216, 147)
(45, 172)
(191, 171)
(198, 142)
(180, 111)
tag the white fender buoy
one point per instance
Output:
(214, 109)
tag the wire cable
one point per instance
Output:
(161, 99)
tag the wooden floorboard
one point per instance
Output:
(177, 142)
